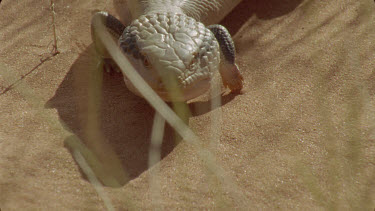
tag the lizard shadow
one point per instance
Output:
(102, 113)
(88, 100)
(263, 9)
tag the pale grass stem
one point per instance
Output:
(154, 157)
(93, 179)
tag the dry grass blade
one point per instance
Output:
(154, 158)
(93, 180)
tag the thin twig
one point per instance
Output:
(53, 53)
(25, 75)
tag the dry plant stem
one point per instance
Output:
(215, 116)
(93, 180)
(154, 157)
(156, 139)
(55, 51)
(167, 113)
(11, 86)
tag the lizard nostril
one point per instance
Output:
(146, 62)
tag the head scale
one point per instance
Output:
(170, 47)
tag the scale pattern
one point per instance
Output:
(173, 45)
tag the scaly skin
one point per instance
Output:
(171, 48)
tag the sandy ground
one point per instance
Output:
(300, 136)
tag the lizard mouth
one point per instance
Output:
(198, 88)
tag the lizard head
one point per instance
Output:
(172, 52)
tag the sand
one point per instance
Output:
(299, 136)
